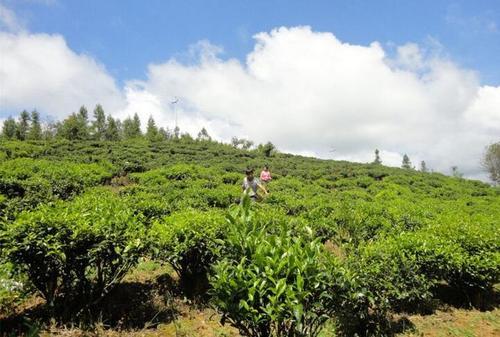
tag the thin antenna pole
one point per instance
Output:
(174, 102)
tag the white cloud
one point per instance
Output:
(40, 71)
(305, 91)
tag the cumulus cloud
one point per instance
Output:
(308, 92)
(40, 71)
(305, 91)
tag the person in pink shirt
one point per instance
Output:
(265, 175)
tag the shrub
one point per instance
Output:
(400, 271)
(276, 283)
(384, 280)
(35, 181)
(75, 252)
(188, 240)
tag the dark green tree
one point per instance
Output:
(23, 125)
(267, 149)
(203, 135)
(137, 125)
(246, 144)
(177, 132)
(241, 143)
(9, 128)
(186, 137)
(99, 123)
(152, 130)
(112, 131)
(491, 162)
(83, 113)
(35, 131)
(165, 133)
(423, 167)
(132, 127)
(73, 128)
(377, 160)
(406, 162)
(455, 172)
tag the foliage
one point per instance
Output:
(491, 161)
(75, 252)
(274, 282)
(9, 128)
(267, 149)
(35, 130)
(75, 126)
(189, 241)
(394, 234)
(399, 272)
(377, 159)
(12, 290)
(406, 162)
(99, 124)
(28, 182)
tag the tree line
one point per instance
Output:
(490, 162)
(78, 126)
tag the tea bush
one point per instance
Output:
(32, 182)
(395, 234)
(75, 252)
(275, 283)
(189, 241)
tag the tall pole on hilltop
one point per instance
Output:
(174, 102)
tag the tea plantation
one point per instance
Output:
(336, 248)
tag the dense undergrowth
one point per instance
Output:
(333, 241)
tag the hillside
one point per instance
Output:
(134, 235)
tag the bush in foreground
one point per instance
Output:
(275, 283)
(75, 252)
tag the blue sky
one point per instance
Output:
(126, 36)
(416, 77)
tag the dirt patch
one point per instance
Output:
(456, 322)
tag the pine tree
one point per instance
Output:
(164, 133)
(177, 132)
(423, 167)
(137, 126)
(83, 120)
(99, 123)
(83, 113)
(112, 131)
(9, 128)
(152, 130)
(35, 132)
(406, 162)
(128, 129)
(377, 160)
(455, 173)
(235, 142)
(23, 125)
(203, 135)
(73, 128)
(267, 149)
(246, 144)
